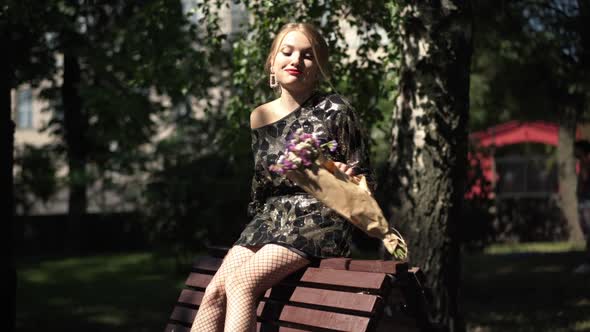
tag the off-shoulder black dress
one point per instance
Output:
(281, 212)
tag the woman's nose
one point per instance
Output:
(297, 59)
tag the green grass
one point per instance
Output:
(534, 247)
(126, 292)
(526, 287)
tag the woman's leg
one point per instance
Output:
(266, 268)
(211, 314)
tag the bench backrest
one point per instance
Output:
(338, 295)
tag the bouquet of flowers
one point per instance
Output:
(304, 163)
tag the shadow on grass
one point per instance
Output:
(129, 292)
(526, 292)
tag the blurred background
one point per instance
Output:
(132, 149)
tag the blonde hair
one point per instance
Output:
(319, 46)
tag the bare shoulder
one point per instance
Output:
(262, 115)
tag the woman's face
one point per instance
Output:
(294, 64)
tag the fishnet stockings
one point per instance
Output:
(211, 314)
(266, 268)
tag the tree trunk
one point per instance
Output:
(568, 200)
(582, 25)
(429, 148)
(7, 151)
(567, 174)
(75, 124)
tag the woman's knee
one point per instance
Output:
(215, 292)
(237, 285)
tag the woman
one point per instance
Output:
(289, 229)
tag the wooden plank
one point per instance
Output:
(277, 328)
(198, 280)
(392, 267)
(183, 314)
(369, 281)
(341, 263)
(314, 318)
(176, 328)
(189, 296)
(180, 328)
(336, 300)
(207, 264)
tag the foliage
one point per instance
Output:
(197, 195)
(530, 60)
(26, 24)
(35, 178)
(138, 61)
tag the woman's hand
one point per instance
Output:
(345, 168)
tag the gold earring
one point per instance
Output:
(273, 81)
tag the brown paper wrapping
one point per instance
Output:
(350, 197)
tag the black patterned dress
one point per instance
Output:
(281, 212)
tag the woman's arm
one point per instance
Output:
(352, 155)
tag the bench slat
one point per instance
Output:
(189, 296)
(183, 315)
(207, 263)
(313, 318)
(330, 298)
(176, 328)
(369, 281)
(290, 314)
(280, 328)
(336, 300)
(341, 263)
(198, 280)
(180, 328)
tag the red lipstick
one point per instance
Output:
(293, 72)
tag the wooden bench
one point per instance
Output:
(340, 294)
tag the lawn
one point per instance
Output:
(526, 287)
(506, 288)
(124, 292)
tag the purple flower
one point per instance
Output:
(302, 150)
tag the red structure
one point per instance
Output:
(517, 132)
(509, 133)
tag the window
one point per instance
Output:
(239, 19)
(24, 108)
(521, 176)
